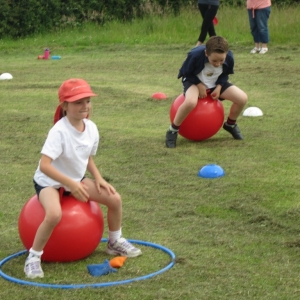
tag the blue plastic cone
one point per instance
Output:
(211, 171)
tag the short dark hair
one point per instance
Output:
(216, 44)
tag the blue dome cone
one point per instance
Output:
(211, 171)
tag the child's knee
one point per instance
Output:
(244, 99)
(116, 201)
(190, 103)
(53, 218)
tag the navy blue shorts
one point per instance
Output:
(187, 84)
(38, 189)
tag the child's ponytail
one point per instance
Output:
(58, 113)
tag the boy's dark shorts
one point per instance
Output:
(38, 189)
(187, 84)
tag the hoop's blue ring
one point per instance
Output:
(95, 285)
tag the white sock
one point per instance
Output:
(173, 129)
(33, 253)
(114, 235)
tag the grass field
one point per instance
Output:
(235, 237)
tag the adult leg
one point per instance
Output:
(208, 12)
(262, 17)
(210, 15)
(254, 31)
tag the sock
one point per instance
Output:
(174, 127)
(114, 235)
(230, 122)
(33, 253)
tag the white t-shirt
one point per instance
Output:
(209, 75)
(69, 150)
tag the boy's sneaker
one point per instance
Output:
(234, 130)
(123, 248)
(33, 268)
(255, 50)
(263, 50)
(171, 138)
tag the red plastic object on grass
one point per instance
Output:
(76, 236)
(204, 121)
(159, 96)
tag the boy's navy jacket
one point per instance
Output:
(195, 62)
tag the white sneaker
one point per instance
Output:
(122, 247)
(263, 50)
(255, 50)
(33, 268)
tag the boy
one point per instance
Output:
(206, 70)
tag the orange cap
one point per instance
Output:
(74, 89)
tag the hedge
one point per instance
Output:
(19, 18)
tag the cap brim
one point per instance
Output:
(80, 96)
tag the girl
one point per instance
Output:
(66, 155)
(259, 12)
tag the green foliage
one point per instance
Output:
(234, 3)
(20, 19)
(24, 18)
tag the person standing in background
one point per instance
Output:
(208, 10)
(259, 12)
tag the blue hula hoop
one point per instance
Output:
(94, 285)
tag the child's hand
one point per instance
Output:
(79, 191)
(215, 95)
(102, 184)
(202, 90)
